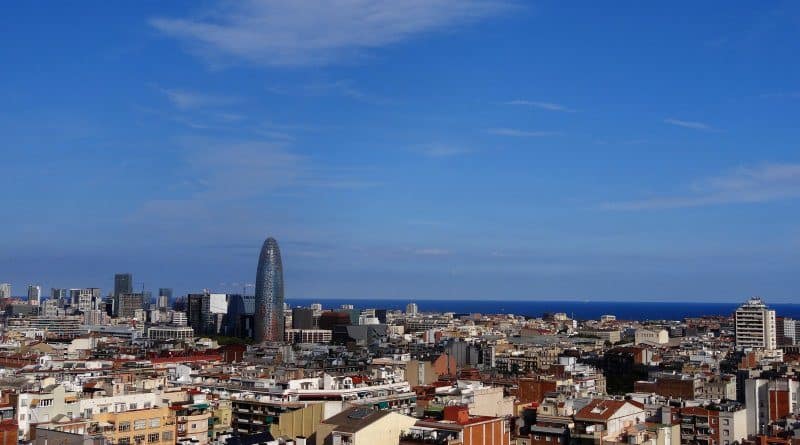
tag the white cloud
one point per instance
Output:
(520, 133)
(688, 124)
(189, 100)
(313, 32)
(431, 251)
(759, 184)
(542, 105)
(442, 151)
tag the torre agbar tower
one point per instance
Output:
(269, 294)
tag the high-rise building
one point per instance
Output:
(755, 326)
(34, 294)
(5, 290)
(206, 312)
(126, 305)
(123, 284)
(58, 294)
(239, 320)
(788, 331)
(411, 309)
(302, 318)
(85, 299)
(269, 325)
(164, 297)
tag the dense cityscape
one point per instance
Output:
(81, 367)
(399, 222)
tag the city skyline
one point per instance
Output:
(456, 149)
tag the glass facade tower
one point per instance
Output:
(269, 294)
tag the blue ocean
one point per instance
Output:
(581, 310)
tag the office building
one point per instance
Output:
(5, 290)
(239, 320)
(755, 326)
(269, 325)
(206, 312)
(126, 305)
(34, 294)
(411, 309)
(302, 318)
(85, 299)
(123, 284)
(164, 297)
(58, 294)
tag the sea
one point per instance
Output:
(580, 310)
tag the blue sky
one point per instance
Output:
(415, 149)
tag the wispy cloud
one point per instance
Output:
(340, 88)
(549, 106)
(307, 33)
(688, 124)
(781, 95)
(431, 251)
(190, 100)
(520, 133)
(442, 151)
(758, 184)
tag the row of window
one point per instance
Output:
(139, 424)
(166, 436)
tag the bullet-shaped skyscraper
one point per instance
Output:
(269, 293)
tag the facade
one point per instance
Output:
(126, 304)
(138, 426)
(123, 284)
(269, 323)
(458, 426)
(722, 426)
(302, 318)
(5, 290)
(34, 294)
(86, 299)
(164, 297)
(651, 337)
(770, 400)
(239, 320)
(308, 336)
(206, 312)
(170, 333)
(755, 326)
(67, 326)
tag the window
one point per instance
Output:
(153, 437)
(726, 421)
(139, 424)
(124, 441)
(147, 404)
(726, 433)
(103, 409)
(139, 438)
(132, 406)
(124, 426)
(166, 436)
(155, 422)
